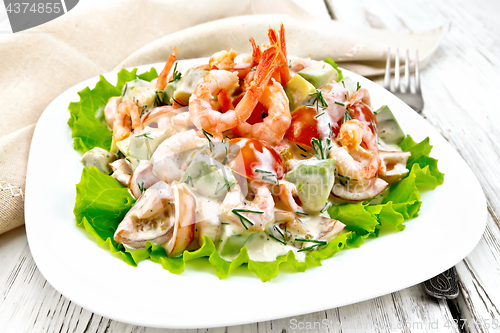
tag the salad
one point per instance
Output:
(249, 158)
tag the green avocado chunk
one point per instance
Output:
(319, 73)
(186, 85)
(298, 90)
(208, 177)
(314, 181)
(388, 128)
(170, 90)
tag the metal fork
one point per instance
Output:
(444, 285)
(402, 89)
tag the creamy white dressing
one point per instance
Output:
(263, 248)
(386, 146)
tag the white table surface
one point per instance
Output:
(460, 92)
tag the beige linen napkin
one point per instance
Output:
(38, 65)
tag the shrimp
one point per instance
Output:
(127, 118)
(230, 61)
(273, 128)
(260, 211)
(110, 110)
(223, 60)
(287, 193)
(280, 40)
(358, 156)
(200, 108)
(169, 116)
(360, 104)
(162, 78)
(299, 64)
(283, 73)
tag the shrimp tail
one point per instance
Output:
(256, 53)
(162, 78)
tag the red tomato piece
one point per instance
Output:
(257, 159)
(303, 127)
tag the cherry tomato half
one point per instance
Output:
(303, 127)
(257, 160)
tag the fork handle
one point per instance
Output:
(444, 285)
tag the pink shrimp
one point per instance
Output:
(127, 118)
(358, 156)
(273, 128)
(162, 78)
(203, 114)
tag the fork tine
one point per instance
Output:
(417, 74)
(407, 73)
(387, 77)
(396, 72)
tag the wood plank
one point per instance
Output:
(463, 68)
(470, 123)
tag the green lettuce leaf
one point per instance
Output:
(86, 122)
(428, 174)
(102, 201)
(334, 65)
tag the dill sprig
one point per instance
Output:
(338, 103)
(321, 242)
(301, 213)
(346, 117)
(176, 101)
(319, 115)
(325, 207)
(374, 126)
(224, 161)
(319, 100)
(208, 136)
(145, 135)
(141, 187)
(347, 177)
(159, 100)
(244, 219)
(269, 176)
(176, 75)
(310, 247)
(276, 238)
(321, 147)
(357, 86)
(304, 150)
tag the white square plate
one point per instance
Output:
(451, 222)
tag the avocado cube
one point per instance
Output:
(319, 73)
(388, 128)
(186, 85)
(314, 181)
(208, 177)
(169, 90)
(298, 90)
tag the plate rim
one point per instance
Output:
(44, 267)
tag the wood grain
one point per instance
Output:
(460, 95)
(455, 86)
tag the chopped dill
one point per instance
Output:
(176, 75)
(145, 135)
